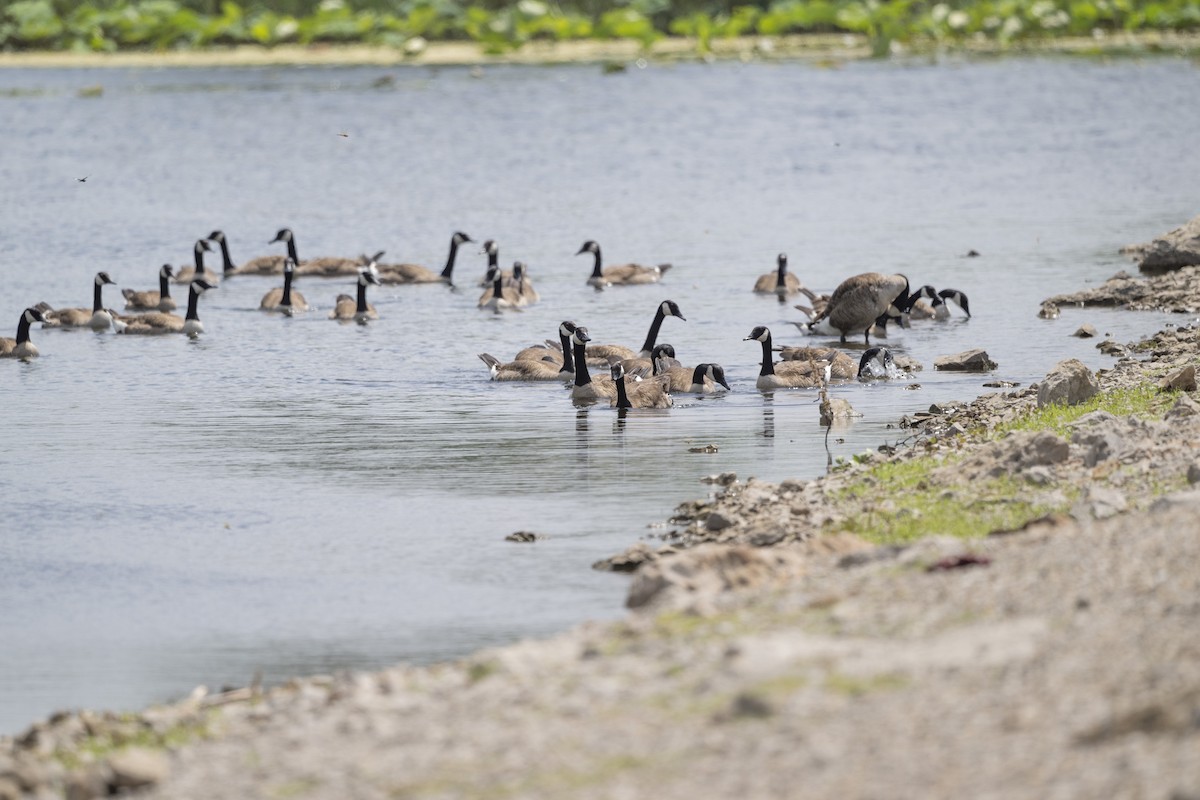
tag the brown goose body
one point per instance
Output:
(860, 300)
(653, 392)
(415, 273)
(780, 282)
(21, 347)
(619, 274)
(98, 318)
(151, 300)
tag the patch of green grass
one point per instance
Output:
(1143, 401)
(480, 670)
(293, 788)
(855, 686)
(97, 748)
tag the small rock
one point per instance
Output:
(723, 479)
(138, 767)
(1100, 502)
(1039, 475)
(1111, 348)
(1085, 331)
(1070, 382)
(717, 521)
(975, 360)
(1182, 380)
(1193, 473)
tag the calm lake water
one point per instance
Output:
(293, 496)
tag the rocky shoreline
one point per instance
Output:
(779, 647)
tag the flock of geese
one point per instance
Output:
(863, 304)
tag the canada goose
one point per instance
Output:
(587, 388)
(529, 369)
(189, 274)
(701, 379)
(323, 267)
(667, 308)
(21, 347)
(499, 297)
(150, 300)
(556, 353)
(620, 274)
(524, 286)
(841, 366)
(903, 312)
(661, 358)
(159, 322)
(876, 362)
(785, 374)
(284, 298)
(649, 393)
(358, 309)
(780, 282)
(414, 273)
(98, 319)
(492, 249)
(227, 266)
(860, 300)
(941, 311)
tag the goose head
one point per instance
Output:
(617, 370)
(876, 362)
(370, 261)
(216, 236)
(661, 351)
(781, 261)
(761, 333)
(580, 335)
(283, 235)
(368, 275)
(714, 372)
(32, 315)
(518, 270)
(490, 247)
(460, 238)
(668, 308)
(957, 297)
(165, 271)
(202, 246)
(103, 279)
(200, 286)
(588, 247)
(566, 328)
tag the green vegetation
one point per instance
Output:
(131, 732)
(498, 25)
(916, 506)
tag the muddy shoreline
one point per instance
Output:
(774, 645)
(819, 48)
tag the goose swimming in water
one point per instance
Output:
(98, 318)
(498, 297)
(785, 374)
(161, 322)
(701, 379)
(347, 308)
(876, 362)
(649, 393)
(586, 387)
(186, 275)
(21, 347)
(228, 268)
(941, 310)
(529, 369)
(415, 273)
(860, 300)
(285, 299)
(150, 300)
(667, 308)
(780, 282)
(619, 274)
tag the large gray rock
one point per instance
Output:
(138, 767)
(1070, 382)
(1171, 251)
(975, 360)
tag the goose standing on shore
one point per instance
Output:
(785, 374)
(284, 299)
(649, 393)
(186, 275)
(415, 273)
(21, 347)
(161, 322)
(780, 282)
(859, 301)
(98, 319)
(619, 274)
(151, 300)
(347, 308)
